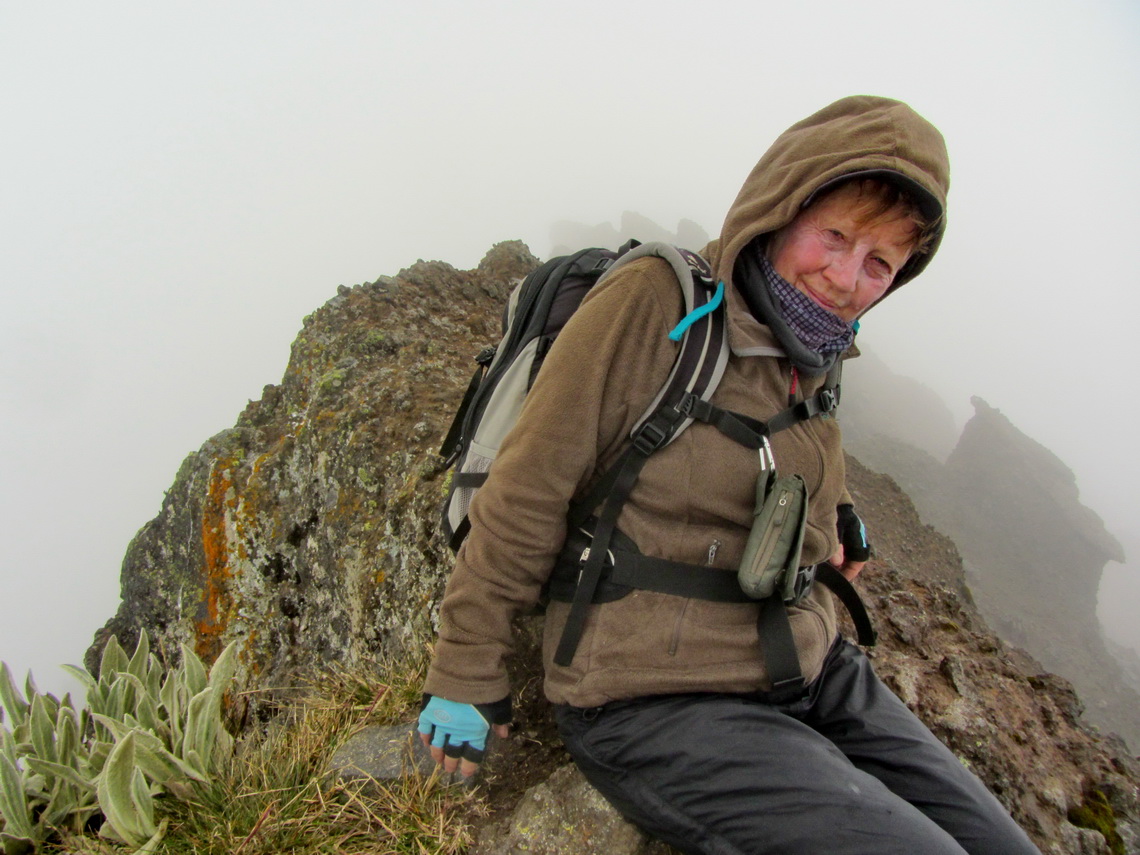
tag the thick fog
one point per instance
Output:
(184, 182)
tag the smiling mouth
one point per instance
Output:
(823, 301)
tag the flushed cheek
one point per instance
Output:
(867, 295)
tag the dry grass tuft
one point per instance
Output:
(274, 796)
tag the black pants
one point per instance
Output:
(846, 769)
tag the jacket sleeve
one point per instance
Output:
(589, 393)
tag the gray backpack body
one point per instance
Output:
(536, 312)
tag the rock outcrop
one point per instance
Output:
(1034, 554)
(308, 530)
(309, 533)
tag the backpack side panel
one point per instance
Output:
(536, 311)
(499, 414)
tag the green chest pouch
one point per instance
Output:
(771, 562)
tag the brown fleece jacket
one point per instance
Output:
(694, 499)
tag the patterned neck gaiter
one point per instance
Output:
(811, 336)
(819, 329)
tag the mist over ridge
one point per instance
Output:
(185, 187)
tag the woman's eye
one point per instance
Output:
(879, 267)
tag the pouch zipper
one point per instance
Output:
(771, 536)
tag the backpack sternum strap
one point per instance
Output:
(821, 403)
(741, 429)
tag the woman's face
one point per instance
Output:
(841, 262)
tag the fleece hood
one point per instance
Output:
(858, 135)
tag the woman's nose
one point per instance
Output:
(843, 271)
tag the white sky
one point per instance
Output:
(181, 183)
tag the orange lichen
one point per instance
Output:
(217, 602)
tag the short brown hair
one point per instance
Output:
(879, 200)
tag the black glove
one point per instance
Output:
(852, 534)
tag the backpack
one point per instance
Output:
(536, 312)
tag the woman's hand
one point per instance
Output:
(456, 733)
(852, 542)
(849, 569)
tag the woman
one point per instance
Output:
(667, 704)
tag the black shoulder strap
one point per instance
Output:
(696, 371)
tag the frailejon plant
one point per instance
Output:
(146, 731)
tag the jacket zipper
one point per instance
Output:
(675, 641)
(713, 548)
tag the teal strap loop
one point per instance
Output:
(698, 313)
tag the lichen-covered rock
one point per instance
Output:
(564, 815)
(309, 530)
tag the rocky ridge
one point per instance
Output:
(309, 533)
(1034, 554)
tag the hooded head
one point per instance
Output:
(862, 136)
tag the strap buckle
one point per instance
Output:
(652, 435)
(820, 404)
(609, 562)
(800, 585)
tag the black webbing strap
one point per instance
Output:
(652, 435)
(460, 534)
(751, 432)
(672, 577)
(450, 447)
(837, 583)
(582, 510)
(821, 403)
(779, 646)
(739, 428)
(592, 570)
(468, 479)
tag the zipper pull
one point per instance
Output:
(713, 547)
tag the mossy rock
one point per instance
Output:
(1097, 814)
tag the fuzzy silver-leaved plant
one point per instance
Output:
(145, 731)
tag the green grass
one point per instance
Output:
(274, 795)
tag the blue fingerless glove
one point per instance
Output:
(852, 534)
(461, 729)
